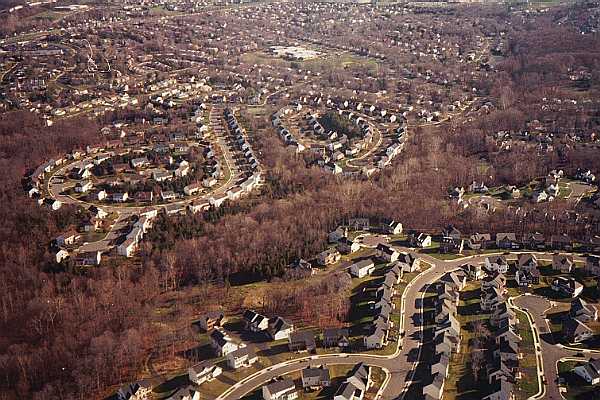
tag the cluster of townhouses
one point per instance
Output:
(447, 330)
(502, 370)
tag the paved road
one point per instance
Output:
(400, 366)
(550, 353)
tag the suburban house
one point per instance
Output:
(347, 246)
(337, 234)
(222, 343)
(255, 322)
(575, 331)
(88, 258)
(496, 264)
(449, 244)
(561, 242)
(242, 357)
(503, 389)
(209, 320)
(315, 377)
(589, 371)
(362, 268)
(583, 311)
(534, 241)
(302, 265)
(302, 341)
(527, 278)
(140, 390)
(562, 263)
(329, 256)
(527, 262)
(356, 384)
(392, 227)
(474, 271)
(280, 328)
(387, 253)
(592, 265)
(336, 337)
(203, 372)
(507, 241)
(284, 389)
(184, 393)
(567, 286)
(435, 388)
(451, 232)
(480, 241)
(420, 240)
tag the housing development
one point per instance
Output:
(278, 200)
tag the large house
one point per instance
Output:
(222, 343)
(496, 264)
(387, 253)
(575, 331)
(562, 263)
(284, 389)
(255, 322)
(507, 241)
(302, 341)
(242, 357)
(209, 320)
(329, 256)
(280, 329)
(203, 372)
(336, 337)
(567, 286)
(356, 384)
(589, 371)
(315, 377)
(362, 268)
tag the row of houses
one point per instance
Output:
(132, 240)
(381, 305)
(502, 368)
(446, 332)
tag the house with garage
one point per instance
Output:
(420, 240)
(328, 257)
(583, 311)
(496, 264)
(209, 320)
(473, 271)
(567, 286)
(561, 242)
(280, 328)
(480, 241)
(222, 343)
(336, 337)
(575, 331)
(315, 378)
(302, 341)
(283, 389)
(347, 246)
(563, 263)
(391, 227)
(507, 241)
(386, 253)
(534, 241)
(203, 372)
(589, 371)
(255, 322)
(242, 357)
(362, 268)
(592, 265)
(140, 390)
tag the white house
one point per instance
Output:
(203, 372)
(284, 389)
(362, 268)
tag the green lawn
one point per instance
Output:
(528, 384)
